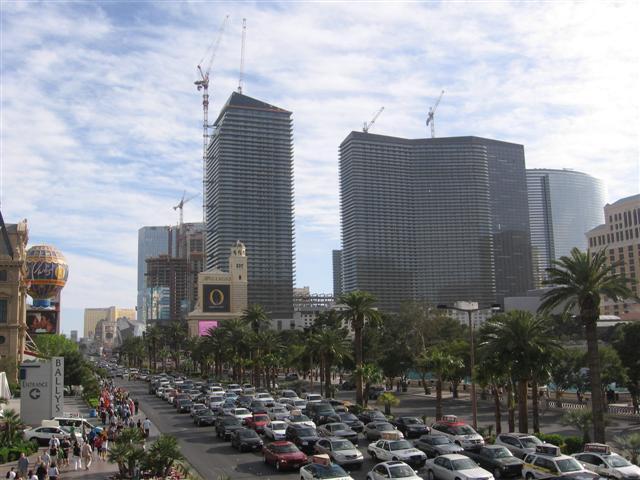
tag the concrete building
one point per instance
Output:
(74, 335)
(189, 246)
(249, 196)
(563, 204)
(171, 273)
(152, 242)
(620, 235)
(306, 308)
(337, 272)
(433, 219)
(93, 316)
(13, 295)
(222, 295)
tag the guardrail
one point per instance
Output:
(622, 410)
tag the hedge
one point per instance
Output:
(12, 453)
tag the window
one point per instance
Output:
(3, 310)
(3, 275)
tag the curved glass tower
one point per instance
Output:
(563, 206)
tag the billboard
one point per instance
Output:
(42, 321)
(42, 390)
(216, 298)
(205, 325)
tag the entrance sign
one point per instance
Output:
(42, 390)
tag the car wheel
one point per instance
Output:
(265, 459)
(278, 466)
(395, 459)
(374, 457)
(496, 473)
(529, 476)
(430, 475)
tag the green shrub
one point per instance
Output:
(553, 438)
(572, 445)
(12, 452)
(93, 402)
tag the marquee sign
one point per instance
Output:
(216, 298)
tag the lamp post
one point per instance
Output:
(472, 356)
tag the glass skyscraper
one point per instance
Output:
(249, 197)
(563, 206)
(152, 242)
(438, 220)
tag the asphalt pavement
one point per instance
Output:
(214, 459)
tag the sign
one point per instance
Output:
(389, 435)
(216, 298)
(42, 390)
(321, 459)
(205, 325)
(42, 321)
(548, 449)
(597, 448)
(449, 418)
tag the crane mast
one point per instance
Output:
(367, 126)
(241, 76)
(430, 117)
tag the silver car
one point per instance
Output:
(520, 444)
(372, 430)
(341, 451)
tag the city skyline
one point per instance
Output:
(101, 122)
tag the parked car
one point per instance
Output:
(458, 431)
(434, 445)
(397, 450)
(367, 416)
(375, 391)
(300, 419)
(340, 451)
(289, 394)
(373, 430)
(245, 439)
(42, 435)
(304, 437)
(351, 420)
(497, 459)
(226, 425)
(549, 461)
(275, 430)
(205, 418)
(520, 444)
(454, 466)
(600, 459)
(257, 421)
(283, 455)
(392, 469)
(411, 426)
(278, 412)
(338, 429)
(325, 471)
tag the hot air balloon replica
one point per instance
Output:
(47, 275)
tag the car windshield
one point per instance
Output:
(440, 440)
(530, 442)
(464, 464)
(279, 410)
(342, 445)
(411, 421)
(384, 427)
(400, 445)
(568, 465)
(348, 417)
(377, 415)
(337, 426)
(248, 434)
(464, 430)
(617, 461)
(277, 426)
(299, 418)
(401, 471)
(307, 432)
(330, 471)
(206, 413)
(216, 399)
(260, 418)
(241, 411)
(499, 452)
(231, 421)
(289, 448)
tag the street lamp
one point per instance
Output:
(472, 356)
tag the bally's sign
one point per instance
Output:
(216, 298)
(42, 387)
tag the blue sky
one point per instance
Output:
(101, 122)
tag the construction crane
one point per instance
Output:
(203, 84)
(430, 118)
(367, 126)
(241, 76)
(180, 205)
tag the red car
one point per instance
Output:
(257, 421)
(284, 455)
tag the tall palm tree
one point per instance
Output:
(331, 346)
(492, 372)
(358, 308)
(370, 374)
(256, 318)
(579, 281)
(153, 340)
(520, 339)
(442, 365)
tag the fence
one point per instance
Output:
(618, 410)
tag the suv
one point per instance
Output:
(320, 412)
(549, 461)
(303, 436)
(520, 444)
(459, 432)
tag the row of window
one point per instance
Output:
(620, 236)
(629, 217)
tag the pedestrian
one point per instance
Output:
(11, 474)
(76, 456)
(54, 442)
(41, 471)
(146, 425)
(86, 452)
(31, 475)
(23, 465)
(65, 446)
(53, 471)
(97, 444)
(45, 458)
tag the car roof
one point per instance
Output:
(450, 424)
(280, 443)
(454, 456)
(516, 434)
(392, 463)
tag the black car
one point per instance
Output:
(244, 401)
(204, 419)
(303, 436)
(411, 426)
(347, 385)
(226, 425)
(321, 412)
(496, 459)
(367, 416)
(257, 406)
(339, 430)
(436, 445)
(351, 420)
(184, 406)
(245, 440)
(375, 392)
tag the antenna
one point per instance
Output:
(244, 35)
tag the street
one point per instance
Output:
(213, 458)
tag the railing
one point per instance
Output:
(622, 410)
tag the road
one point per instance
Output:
(214, 458)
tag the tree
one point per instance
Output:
(358, 309)
(443, 366)
(389, 400)
(631, 444)
(492, 372)
(256, 318)
(163, 453)
(175, 334)
(331, 345)
(581, 420)
(565, 369)
(128, 451)
(153, 339)
(626, 341)
(76, 369)
(578, 282)
(12, 427)
(520, 339)
(370, 375)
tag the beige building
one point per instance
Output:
(620, 235)
(13, 295)
(92, 316)
(221, 295)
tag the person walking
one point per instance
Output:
(53, 471)
(41, 471)
(11, 474)
(86, 455)
(76, 456)
(146, 425)
(31, 475)
(23, 465)
(45, 459)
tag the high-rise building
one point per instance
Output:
(93, 316)
(152, 242)
(74, 336)
(620, 235)
(337, 273)
(563, 204)
(438, 220)
(189, 246)
(172, 273)
(249, 197)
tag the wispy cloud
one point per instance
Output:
(101, 120)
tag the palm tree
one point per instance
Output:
(389, 400)
(163, 454)
(128, 451)
(358, 308)
(579, 281)
(152, 338)
(331, 346)
(520, 339)
(493, 373)
(256, 317)
(370, 375)
(11, 427)
(442, 365)
(176, 336)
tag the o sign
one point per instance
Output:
(216, 297)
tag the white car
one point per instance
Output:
(455, 466)
(340, 451)
(215, 401)
(235, 388)
(600, 459)
(312, 397)
(397, 450)
(300, 419)
(314, 471)
(240, 413)
(278, 412)
(275, 430)
(289, 394)
(392, 469)
(264, 397)
(458, 431)
(548, 461)
(293, 403)
(215, 390)
(42, 435)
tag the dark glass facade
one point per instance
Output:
(249, 197)
(424, 219)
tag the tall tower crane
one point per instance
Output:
(180, 205)
(241, 76)
(203, 85)
(430, 118)
(367, 126)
